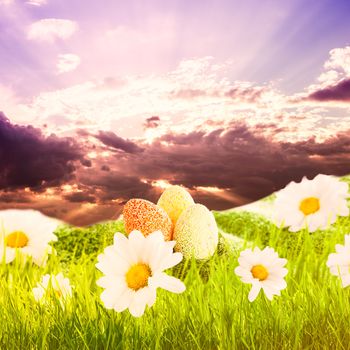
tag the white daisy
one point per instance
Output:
(339, 262)
(133, 269)
(53, 287)
(263, 269)
(312, 204)
(27, 232)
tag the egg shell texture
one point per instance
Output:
(174, 200)
(196, 232)
(147, 217)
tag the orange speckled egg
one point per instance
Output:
(146, 217)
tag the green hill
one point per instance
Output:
(313, 312)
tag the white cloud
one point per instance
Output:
(7, 98)
(207, 99)
(51, 29)
(329, 77)
(184, 98)
(6, 2)
(339, 60)
(157, 32)
(37, 3)
(13, 107)
(336, 68)
(67, 62)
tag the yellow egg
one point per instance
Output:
(196, 233)
(174, 200)
(146, 217)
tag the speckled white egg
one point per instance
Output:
(196, 233)
(174, 200)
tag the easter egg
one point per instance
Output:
(196, 233)
(146, 217)
(174, 200)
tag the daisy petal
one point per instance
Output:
(139, 301)
(123, 300)
(166, 282)
(254, 292)
(339, 262)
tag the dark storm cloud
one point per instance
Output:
(80, 197)
(152, 122)
(234, 159)
(110, 139)
(338, 92)
(239, 160)
(86, 162)
(71, 212)
(105, 167)
(116, 185)
(15, 197)
(29, 159)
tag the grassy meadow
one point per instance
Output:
(313, 312)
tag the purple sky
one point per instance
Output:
(104, 101)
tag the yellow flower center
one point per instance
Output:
(260, 272)
(16, 239)
(137, 276)
(53, 293)
(309, 205)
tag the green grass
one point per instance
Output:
(213, 313)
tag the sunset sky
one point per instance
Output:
(103, 101)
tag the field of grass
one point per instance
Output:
(313, 312)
